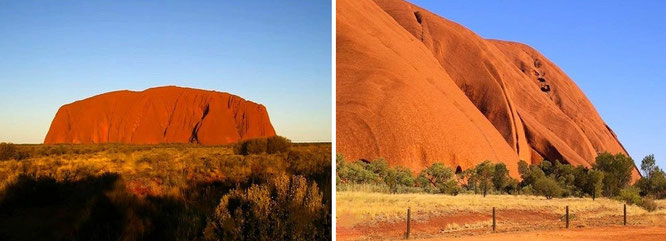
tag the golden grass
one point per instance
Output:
(99, 192)
(369, 207)
(150, 170)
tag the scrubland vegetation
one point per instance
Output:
(609, 177)
(268, 189)
(373, 207)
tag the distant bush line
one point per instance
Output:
(609, 176)
(271, 145)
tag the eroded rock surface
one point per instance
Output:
(415, 88)
(160, 115)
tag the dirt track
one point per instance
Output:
(602, 233)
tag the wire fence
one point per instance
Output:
(408, 231)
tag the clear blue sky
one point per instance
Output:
(277, 53)
(614, 50)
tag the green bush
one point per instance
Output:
(547, 187)
(399, 179)
(355, 172)
(530, 173)
(630, 196)
(438, 178)
(617, 172)
(485, 172)
(653, 182)
(7, 151)
(500, 176)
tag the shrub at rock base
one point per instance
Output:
(547, 187)
(271, 145)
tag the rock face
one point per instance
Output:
(160, 115)
(415, 88)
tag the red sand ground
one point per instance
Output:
(585, 234)
(512, 225)
(415, 88)
(160, 115)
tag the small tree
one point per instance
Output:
(529, 173)
(472, 180)
(399, 177)
(500, 176)
(617, 172)
(437, 178)
(547, 167)
(547, 187)
(594, 184)
(630, 195)
(648, 165)
(485, 172)
(354, 172)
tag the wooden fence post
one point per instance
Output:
(493, 219)
(408, 223)
(625, 214)
(567, 216)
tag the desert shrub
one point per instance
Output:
(617, 172)
(278, 144)
(251, 146)
(399, 179)
(272, 145)
(547, 187)
(314, 163)
(379, 167)
(285, 209)
(256, 146)
(7, 151)
(438, 178)
(630, 195)
(649, 204)
(171, 194)
(356, 172)
(527, 190)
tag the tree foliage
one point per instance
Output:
(547, 187)
(617, 172)
(437, 178)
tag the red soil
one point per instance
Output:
(511, 225)
(617, 233)
(160, 115)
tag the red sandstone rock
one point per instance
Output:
(415, 88)
(160, 115)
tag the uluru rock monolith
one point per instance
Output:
(160, 115)
(415, 88)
